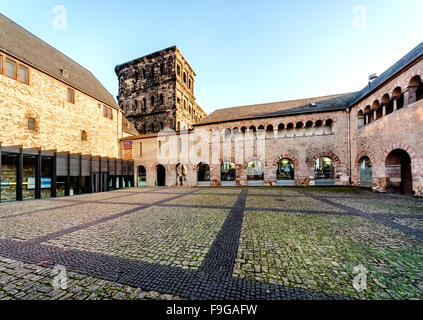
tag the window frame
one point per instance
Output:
(1, 63)
(16, 68)
(69, 89)
(27, 73)
(34, 124)
(84, 135)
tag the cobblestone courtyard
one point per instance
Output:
(213, 243)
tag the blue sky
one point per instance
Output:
(243, 51)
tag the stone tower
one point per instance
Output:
(156, 92)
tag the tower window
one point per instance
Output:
(71, 95)
(185, 78)
(162, 69)
(152, 101)
(84, 136)
(32, 123)
(161, 99)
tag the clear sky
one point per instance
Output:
(243, 51)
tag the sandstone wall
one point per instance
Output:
(58, 122)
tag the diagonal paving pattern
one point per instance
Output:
(183, 243)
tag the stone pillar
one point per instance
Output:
(374, 115)
(395, 103)
(384, 110)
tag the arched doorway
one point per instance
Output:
(181, 175)
(142, 176)
(203, 175)
(161, 176)
(255, 173)
(285, 174)
(228, 174)
(398, 172)
(366, 175)
(324, 172)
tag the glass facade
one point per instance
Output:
(9, 171)
(285, 170)
(228, 171)
(32, 174)
(324, 169)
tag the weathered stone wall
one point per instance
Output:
(157, 92)
(58, 122)
(401, 129)
(302, 146)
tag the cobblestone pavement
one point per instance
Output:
(214, 243)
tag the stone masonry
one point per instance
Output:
(156, 92)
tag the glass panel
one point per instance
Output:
(23, 74)
(9, 165)
(85, 183)
(324, 169)
(285, 170)
(228, 171)
(255, 171)
(142, 177)
(29, 177)
(46, 177)
(10, 68)
(61, 186)
(74, 182)
(203, 172)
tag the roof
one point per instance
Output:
(325, 103)
(23, 45)
(403, 63)
(129, 127)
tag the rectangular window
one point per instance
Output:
(140, 149)
(1, 64)
(109, 113)
(160, 147)
(10, 68)
(23, 74)
(71, 95)
(104, 111)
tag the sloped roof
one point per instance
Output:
(404, 62)
(276, 109)
(24, 46)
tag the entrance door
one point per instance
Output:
(366, 176)
(161, 176)
(406, 179)
(398, 172)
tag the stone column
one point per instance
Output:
(384, 110)
(395, 103)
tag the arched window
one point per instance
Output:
(142, 176)
(178, 70)
(329, 126)
(360, 119)
(269, 132)
(185, 77)
(203, 174)
(228, 134)
(255, 172)
(419, 90)
(228, 173)
(32, 124)
(324, 171)
(285, 174)
(366, 179)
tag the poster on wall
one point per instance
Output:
(127, 150)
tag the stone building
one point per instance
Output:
(370, 138)
(59, 126)
(156, 92)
